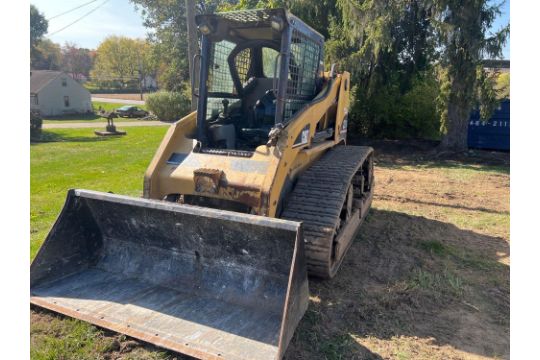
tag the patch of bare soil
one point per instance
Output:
(393, 294)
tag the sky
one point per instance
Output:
(119, 17)
(502, 21)
(115, 17)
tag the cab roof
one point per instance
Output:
(254, 24)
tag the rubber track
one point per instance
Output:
(317, 200)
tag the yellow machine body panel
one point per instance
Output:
(259, 181)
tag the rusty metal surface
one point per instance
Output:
(209, 283)
(224, 177)
(207, 180)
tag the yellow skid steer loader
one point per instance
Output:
(243, 199)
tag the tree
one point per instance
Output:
(48, 56)
(38, 28)
(170, 39)
(386, 45)
(76, 61)
(122, 60)
(318, 14)
(38, 25)
(147, 63)
(193, 46)
(168, 20)
(463, 36)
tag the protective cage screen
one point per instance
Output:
(303, 69)
(219, 77)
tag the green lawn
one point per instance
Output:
(111, 106)
(78, 159)
(91, 117)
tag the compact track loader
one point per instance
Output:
(244, 198)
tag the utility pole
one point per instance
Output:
(193, 45)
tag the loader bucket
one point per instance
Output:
(208, 283)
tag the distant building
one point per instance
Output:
(149, 83)
(55, 93)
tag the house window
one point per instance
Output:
(64, 82)
(34, 100)
(66, 101)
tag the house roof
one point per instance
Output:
(40, 78)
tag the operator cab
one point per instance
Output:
(257, 69)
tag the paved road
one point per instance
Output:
(118, 101)
(119, 125)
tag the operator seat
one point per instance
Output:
(257, 97)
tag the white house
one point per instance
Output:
(55, 93)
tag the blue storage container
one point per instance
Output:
(493, 134)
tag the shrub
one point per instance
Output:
(417, 113)
(168, 106)
(36, 123)
(394, 113)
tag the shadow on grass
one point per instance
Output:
(480, 164)
(401, 199)
(411, 279)
(51, 137)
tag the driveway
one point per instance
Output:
(118, 101)
(119, 125)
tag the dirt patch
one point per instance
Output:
(394, 292)
(427, 277)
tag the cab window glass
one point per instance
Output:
(269, 57)
(219, 74)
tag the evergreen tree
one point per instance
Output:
(462, 29)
